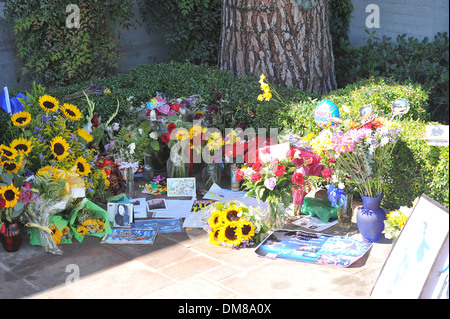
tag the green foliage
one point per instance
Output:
(191, 26)
(406, 59)
(51, 53)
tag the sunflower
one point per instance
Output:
(105, 178)
(10, 194)
(21, 145)
(214, 235)
(101, 226)
(60, 147)
(48, 103)
(71, 111)
(8, 152)
(11, 167)
(91, 225)
(44, 170)
(247, 229)
(231, 234)
(56, 234)
(21, 118)
(232, 214)
(85, 135)
(82, 166)
(82, 230)
(215, 219)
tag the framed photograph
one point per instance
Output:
(164, 226)
(419, 257)
(120, 214)
(177, 187)
(159, 204)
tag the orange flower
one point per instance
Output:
(352, 125)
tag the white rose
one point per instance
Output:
(132, 148)
(154, 135)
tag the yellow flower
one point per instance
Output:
(231, 234)
(85, 135)
(196, 130)
(214, 236)
(101, 226)
(21, 118)
(10, 194)
(71, 111)
(44, 170)
(215, 219)
(231, 214)
(247, 229)
(83, 167)
(105, 178)
(21, 145)
(82, 230)
(60, 148)
(11, 166)
(8, 152)
(182, 134)
(56, 234)
(48, 103)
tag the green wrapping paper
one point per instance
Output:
(60, 223)
(99, 213)
(320, 208)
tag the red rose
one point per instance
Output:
(238, 175)
(257, 166)
(256, 177)
(279, 170)
(331, 160)
(326, 173)
(175, 107)
(166, 138)
(274, 162)
(95, 122)
(171, 127)
(290, 154)
(297, 178)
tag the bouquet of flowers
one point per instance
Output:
(88, 219)
(233, 224)
(359, 152)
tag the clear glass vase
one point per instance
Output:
(129, 182)
(274, 218)
(211, 174)
(345, 213)
(177, 169)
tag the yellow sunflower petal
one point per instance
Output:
(48, 103)
(21, 118)
(83, 167)
(8, 152)
(60, 147)
(71, 111)
(10, 194)
(22, 145)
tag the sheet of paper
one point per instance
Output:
(314, 223)
(140, 207)
(175, 209)
(218, 193)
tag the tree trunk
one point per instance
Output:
(291, 45)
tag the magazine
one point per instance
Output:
(314, 248)
(130, 236)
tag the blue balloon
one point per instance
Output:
(324, 111)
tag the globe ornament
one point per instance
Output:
(399, 107)
(326, 113)
(365, 112)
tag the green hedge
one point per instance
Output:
(416, 169)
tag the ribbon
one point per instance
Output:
(336, 195)
(43, 228)
(72, 179)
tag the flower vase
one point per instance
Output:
(149, 171)
(345, 212)
(298, 196)
(177, 169)
(211, 174)
(370, 218)
(11, 235)
(274, 218)
(129, 182)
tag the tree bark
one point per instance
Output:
(291, 45)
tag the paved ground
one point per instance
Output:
(181, 266)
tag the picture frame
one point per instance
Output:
(159, 204)
(181, 187)
(120, 214)
(130, 236)
(419, 256)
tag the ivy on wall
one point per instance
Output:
(52, 53)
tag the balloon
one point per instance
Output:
(400, 106)
(324, 111)
(365, 112)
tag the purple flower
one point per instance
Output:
(270, 183)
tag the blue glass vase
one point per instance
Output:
(370, 218)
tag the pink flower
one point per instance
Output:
(326, 173)
(239, 175)
(257, 166)
(270, 183)
(279, 170)
(256, 177)
(297, 178)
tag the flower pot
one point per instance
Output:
(370, 218)
(345, 212)
(11, 235)
(274, 218)
(211, 174)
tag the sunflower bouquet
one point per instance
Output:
(88, 219)
(233, 224)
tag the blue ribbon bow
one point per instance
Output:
(336, 195)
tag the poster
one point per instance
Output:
(164, 226)
(130, 236)
(313, 248)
